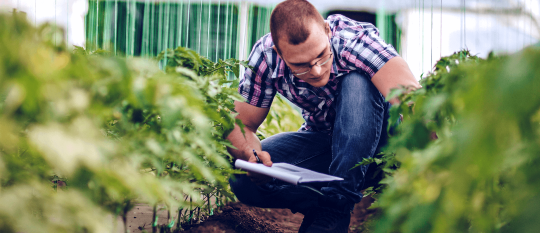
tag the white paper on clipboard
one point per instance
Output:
(286, 172)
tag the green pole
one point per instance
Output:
(187, 30)
(218, 26)
(209, 23)
(145, 34)
(381, 20)
(167, 15)
(67, 24)
(200, 25)
(133, 21)
(106, 27)
(115, 25)
(160, 29)
(227, 45)
(181, 16)
(126, 46)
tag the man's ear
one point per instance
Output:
(277, 51)
(327, 29)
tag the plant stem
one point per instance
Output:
(154, 225)
(198, 214)
(179, 217)
(190, 210)
(124, 219)
(208, 203)
(124, 215)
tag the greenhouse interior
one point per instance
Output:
(117, 115)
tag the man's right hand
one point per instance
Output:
(246, 140)
(257, 178)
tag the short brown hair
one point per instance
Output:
(291, 19)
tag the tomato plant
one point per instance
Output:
(480, 175)
(86, 134)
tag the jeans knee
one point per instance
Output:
(357, 87)
(360, 105)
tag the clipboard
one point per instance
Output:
(286, 172)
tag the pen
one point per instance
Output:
(257, 157)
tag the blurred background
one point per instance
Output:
(421, 30)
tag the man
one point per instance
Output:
(338, 71)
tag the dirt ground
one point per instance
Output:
(240, 218)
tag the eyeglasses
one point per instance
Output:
(307, 69)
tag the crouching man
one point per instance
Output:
(338, 71)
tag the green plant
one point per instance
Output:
(115, 130)
(282, 117)
(481, 173)
(421, 129)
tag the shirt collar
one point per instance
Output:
(334, 69)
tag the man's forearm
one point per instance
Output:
(244, 145)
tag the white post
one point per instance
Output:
(243, 33)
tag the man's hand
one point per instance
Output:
(252, 117)
(257, 178)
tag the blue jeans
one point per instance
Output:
(359, 132)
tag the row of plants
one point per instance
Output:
(481, 174)
(116, 131)
(120, 131)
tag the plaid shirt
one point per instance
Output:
(356, 45)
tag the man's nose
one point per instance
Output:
(316, 71)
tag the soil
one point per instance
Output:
(240, 218)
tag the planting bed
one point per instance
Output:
(239, 218)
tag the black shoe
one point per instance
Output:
(329, 220)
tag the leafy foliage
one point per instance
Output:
(282, 117)
(481, 174)
(114, 130)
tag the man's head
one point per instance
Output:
(300, 38)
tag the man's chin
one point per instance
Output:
(319, 83)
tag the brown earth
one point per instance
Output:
(239, 218)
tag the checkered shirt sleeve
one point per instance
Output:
(359, 45)
(257, 86)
